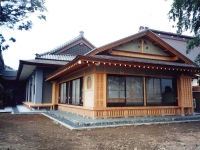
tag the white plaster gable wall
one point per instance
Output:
(149, 48)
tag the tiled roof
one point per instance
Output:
(81, 36)
(140, 60)
(57, 57)
(79, 49)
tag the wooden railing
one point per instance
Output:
(115, 112)
(132, 112)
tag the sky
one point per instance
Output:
(102, 21)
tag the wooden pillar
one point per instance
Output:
(95, 90)
(55, 95)
(104, 89)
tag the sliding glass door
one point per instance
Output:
(76, 90)
(129, 91)
(134, 91)
(116, 90)
(124, 91)
(153, 91)
(71, 92)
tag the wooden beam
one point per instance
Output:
(155, 43)
(110, 51)
(142, 46)
(142, 55)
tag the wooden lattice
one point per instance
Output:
(99, 95)
(185, 91)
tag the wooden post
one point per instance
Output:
(104, 89)
(182, 111)
(95, 89)
(55, 91)
(142, 46)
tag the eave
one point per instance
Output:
(32, 65)
(84, 61)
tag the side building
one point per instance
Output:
(38, 93)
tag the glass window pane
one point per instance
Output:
(121, 83)
(77, 91)
(73, 92)
(149, 90)
(157, 90)
(122, 94)
(67, 92)
(134, 90)
(168, 96)
(113, 83)
(64, 92)
(153, 91)
(113, 94)
(166, 82)
(116, 87)
(160, 91)
(113, 86)
(61, 92)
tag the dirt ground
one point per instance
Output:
(35, 132)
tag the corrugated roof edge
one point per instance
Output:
(64, 45)
(171, 33)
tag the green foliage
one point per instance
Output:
(187, 15)
(8, 68)
(14, 14)
(8, 94)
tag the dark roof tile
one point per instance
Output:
(57, 57)
(65, 44)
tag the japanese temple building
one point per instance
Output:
(140, 75)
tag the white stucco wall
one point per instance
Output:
(89, 93)
(194, 82)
